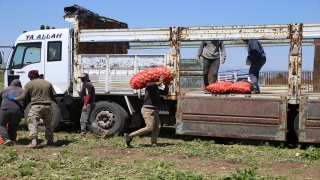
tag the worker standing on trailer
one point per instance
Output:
(209, 50)
(256, 59)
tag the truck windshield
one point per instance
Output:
(24, 54)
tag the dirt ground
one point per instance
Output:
(216, 166)
(298, 170)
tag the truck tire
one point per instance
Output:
(296, 125)
(110, 116)
(55, 117)
(127, 121)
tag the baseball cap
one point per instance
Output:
(33, 74)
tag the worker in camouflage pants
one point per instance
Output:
(42, 95)
(37, 111)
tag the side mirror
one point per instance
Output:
(1, 57)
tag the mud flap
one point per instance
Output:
(309, 120)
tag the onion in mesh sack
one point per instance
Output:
(140, 80)
(219, 87)
(241, 87)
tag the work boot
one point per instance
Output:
(154, 144)
(8, 142)
(103, 134)
(127, 139)
(50, 143)
(33, 144)
(255, 91)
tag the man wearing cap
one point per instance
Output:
(42, 94)
(87, 95)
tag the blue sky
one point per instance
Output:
(17, 16)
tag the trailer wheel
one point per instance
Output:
(110, 116)
(296, 125)
(55, 117)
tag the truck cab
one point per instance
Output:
(44, 50)
(54, 53)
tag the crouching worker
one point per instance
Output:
(87, 95)
(10, 112)
(150, 113)
(256, 59)
(42, 94)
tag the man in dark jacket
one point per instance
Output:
(42, 94)
(150, 113)
(87, 95)
(256, 59)
(10, 112)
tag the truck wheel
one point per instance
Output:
(110, 116)
(296, 125)
(127, 122)
(55, 117)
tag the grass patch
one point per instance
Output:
(1, 80)
(250, 174)
(311, 153)
(9, 156)
(176, 157)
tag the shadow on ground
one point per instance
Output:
(291, 143)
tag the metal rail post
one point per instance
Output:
(316, 66)
(175, 61)
(295, 58)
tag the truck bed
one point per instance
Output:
(308, 95)
(262, 94)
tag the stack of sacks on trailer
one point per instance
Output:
(140, 80)
(219, 87)
(241, 87)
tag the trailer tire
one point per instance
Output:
(55, 123)
(110, 116)
(296, 125)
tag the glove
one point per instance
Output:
(11, 96)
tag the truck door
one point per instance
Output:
(26, 57)
(56, 64)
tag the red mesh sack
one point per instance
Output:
(241, 87)
(140, 80)
(219, 87)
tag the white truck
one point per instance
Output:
(56, 54)
(98, 46)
